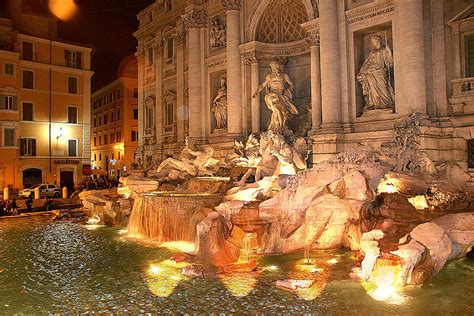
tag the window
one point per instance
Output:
(149, 117)
(72, 114)
(470, 153)
(106, 119)
(168, 5)
(150, 56)
(470, 55)
(100, 157)
(106, 139)
(27, 111)
(118, 114)
(112, 138)
(111, 116)
(118, 136)
(9, 137)
(73, 59)
(72, 85)
(170, 48)
(8, 102)
(9, 69)
(134, 136)
(95, 123)
(135, 114)
(28, 147)
(100, 140)
(95, 142)
(27, 51)
(28, 79)
(169, 114)
(119, 155)
(72, 147)
(95, 157)
(100, 120)
(135, 93)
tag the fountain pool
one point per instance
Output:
(62, 267)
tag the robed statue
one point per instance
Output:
(374, 76)
(278, 98)
(219, 105)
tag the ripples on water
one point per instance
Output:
(63, 267)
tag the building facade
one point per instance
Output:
(115, 122)
(356, 67)
(44, 103)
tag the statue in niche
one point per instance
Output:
(374, 76)
(217, 34)
(191, 162)
(278, 99)
(219, 105)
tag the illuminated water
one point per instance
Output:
(62, 267)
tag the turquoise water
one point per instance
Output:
(62, 267)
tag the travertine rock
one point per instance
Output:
(460, 229)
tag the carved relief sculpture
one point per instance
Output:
(217, 34)
(219, 105)
(278, 99)
(374, 76)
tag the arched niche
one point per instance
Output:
(261, 7)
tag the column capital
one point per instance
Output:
(180, 37)
(313, 38)
(251, 58)
(232, 4)
(197, 18)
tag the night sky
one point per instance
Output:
(107, 25)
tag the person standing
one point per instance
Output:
(14, 207)
(29, 202)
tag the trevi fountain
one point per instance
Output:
(371, 230)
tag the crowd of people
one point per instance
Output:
(8, 208)
(100, 183)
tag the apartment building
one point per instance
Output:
(115, 122)
(44, 103)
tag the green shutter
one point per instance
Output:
(15, 103)
(3, 102)
(33, 147)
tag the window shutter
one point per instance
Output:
(3, 102)
(15, 103)
(22, 146)
(33, 147)
(79, 60)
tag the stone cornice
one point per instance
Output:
(370, 10)
(196, 18)
(232, 4)
(312, 27)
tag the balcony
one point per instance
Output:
(462, 101)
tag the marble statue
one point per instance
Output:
(374, 76)
(217, 34)
(278, 98)
(289, 159)
(219, 105)
(191, 162)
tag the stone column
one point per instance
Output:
(252, 60)
(457, 54)
(141, 128)
(234, 71)
(193, 21)
(316, 110)
(180, 110)
(158, 65)
(410, 39)
(330, 65)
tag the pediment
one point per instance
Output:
(169, 94)
(8, 90)
(467, 13)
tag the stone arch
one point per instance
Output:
(260, 8)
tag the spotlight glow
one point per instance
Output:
(63, 9)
